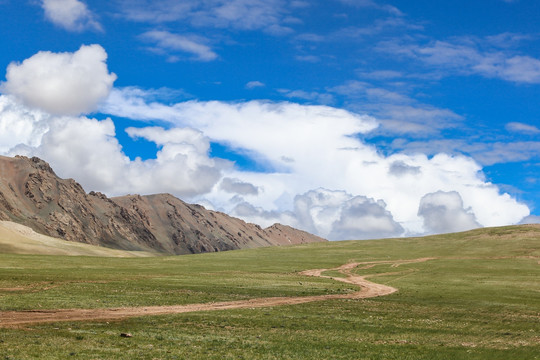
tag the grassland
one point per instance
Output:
(478, 299)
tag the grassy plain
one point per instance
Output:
(478, 299)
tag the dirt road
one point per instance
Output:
(368, 289)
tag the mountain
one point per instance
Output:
(19, 239)
(31, 194)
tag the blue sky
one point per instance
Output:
(346, 118)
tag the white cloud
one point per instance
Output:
(522, 128)
(72, 15)
(267, 15)
(300, 4)
(359, 89)
(372, 4)
(337, 215)
(259, 215)
(310, 37)
(160, 136)
(273, 130)
(165, 42)
(399, 168)
(236, 186)
(467, 56)
(486, 153)
(521, 69)
(397, 112)
(380, 74)
(157, 11)
(312, 96)
(246, 14)
(88, 151)
(360, 3)
(182, 165)
(443, 212)
(419, 119)
(61, 83)
(356, 34)
(308, 147)
(254, 84)
(508, 40)
(505, 152)
(19, 125)
(531, 219)
(262, 122)
(308, 58)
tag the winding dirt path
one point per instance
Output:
(368, 289)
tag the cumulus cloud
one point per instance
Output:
(337, 215)
(333, 214)
(399, 168)
(236, 186)
(72, 15)
(305, 147)
(443, 212)
(61, 83)
(359, 192)
(267, 127)
(165, 42)
(84, 148)
(161, 136)
(259, 215)
(19, 125)
(87, 150)
(531, 219)
(182, 165)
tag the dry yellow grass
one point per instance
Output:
(19, 239)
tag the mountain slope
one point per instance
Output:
(19, 239)
(31, 194)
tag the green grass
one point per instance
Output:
(480, 299)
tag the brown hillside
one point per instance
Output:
(31, 194)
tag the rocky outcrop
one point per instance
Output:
(31, 194)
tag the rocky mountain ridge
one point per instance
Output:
(33, 195)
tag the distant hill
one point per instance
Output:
(32, 195)
(19, 239)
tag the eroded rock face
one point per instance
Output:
(32, 194)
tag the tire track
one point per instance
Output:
(368, 289)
